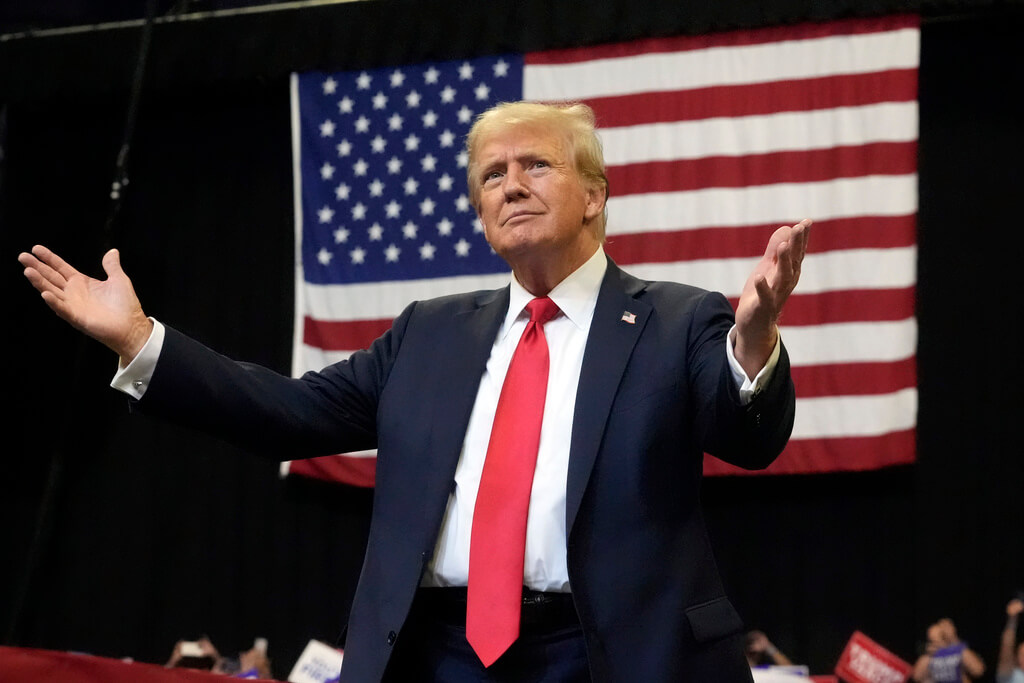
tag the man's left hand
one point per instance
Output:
(765, 294)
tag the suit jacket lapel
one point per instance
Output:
(609, 346)
(461, 357)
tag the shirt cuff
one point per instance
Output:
(750, 387)
(133, 379)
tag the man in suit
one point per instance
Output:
(642, 378)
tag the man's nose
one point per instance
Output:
(515, 184)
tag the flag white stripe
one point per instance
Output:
(839, 270)
(843, 416)
(861, 342)
(822, 272)
(379, 300)
(298, 322)
(761, 134)
(732, 65)
(782, 203)
(830, 271)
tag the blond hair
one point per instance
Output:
(576, 121)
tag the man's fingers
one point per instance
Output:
(795, 235)
(53, 261)
(112, 263)
(778, 237)
(50, 266)
(787, 263)
(54, 277)
(800, 234)
(43, 284)
(790, 253)
(55, 302)
(764, 290)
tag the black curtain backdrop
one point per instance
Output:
(122, 534)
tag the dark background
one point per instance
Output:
(122, 535)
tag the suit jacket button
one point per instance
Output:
(392, 637)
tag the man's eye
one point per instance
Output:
(492, 175)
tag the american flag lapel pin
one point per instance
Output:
(629, 317)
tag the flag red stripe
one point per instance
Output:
(859, 232)
(845, 27)
(677, 175)
(752, 99)
(854, 379)
(355, 471)
(346, 335)
(852, 454)
(846, 306)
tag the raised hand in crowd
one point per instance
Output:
(1010, 666)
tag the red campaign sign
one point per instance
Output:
(865, 661)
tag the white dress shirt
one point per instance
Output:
(545, 567)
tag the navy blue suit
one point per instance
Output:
(654, 395)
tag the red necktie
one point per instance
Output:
(497, 544)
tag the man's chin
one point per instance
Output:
(520, 243)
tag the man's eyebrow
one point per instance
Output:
(486, 166)
(525, 154)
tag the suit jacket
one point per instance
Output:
(654, 395)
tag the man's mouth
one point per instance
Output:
(518, 215)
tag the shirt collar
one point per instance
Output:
(575, 296)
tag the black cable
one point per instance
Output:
(120, 181)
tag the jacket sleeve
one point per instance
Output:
(750, 436)
(321, 413)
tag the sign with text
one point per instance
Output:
(319, 663)
(865, 661)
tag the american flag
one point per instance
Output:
(711, 143)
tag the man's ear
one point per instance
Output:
(596, 198)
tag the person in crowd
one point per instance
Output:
(946, 658)
(203, 655)
(1010, 667)
(762, 652)
(542, 521)
(194, 654)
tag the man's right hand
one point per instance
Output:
(106, 310)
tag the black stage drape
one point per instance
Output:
(123, 534)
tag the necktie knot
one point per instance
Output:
(542, 310)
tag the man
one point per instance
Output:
(618, 579)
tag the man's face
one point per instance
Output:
(532, 202)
